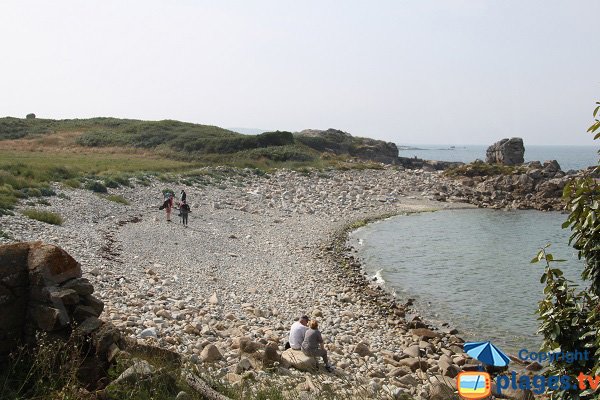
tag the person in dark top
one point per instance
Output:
(313, 344)
(184, 210)
(183, 196)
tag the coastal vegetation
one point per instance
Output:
(570, 318)
(483, 169)
(181, 140)
(102, 153)
(117, 199)
(43, 216)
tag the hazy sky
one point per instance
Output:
(446, 71)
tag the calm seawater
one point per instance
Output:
(569, 157)
(469, 268)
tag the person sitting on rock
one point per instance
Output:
(313, 344)
(297, 332)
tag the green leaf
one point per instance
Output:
(540, 255)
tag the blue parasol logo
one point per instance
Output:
(487, 353)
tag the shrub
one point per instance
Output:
(117, 199)
(483, 169)
(96, 186)
(111, 183)
(46, 371)
(30, 192)
(47, 192)
(43, 216)
(570, 318)
(74, 183)
(61, 173)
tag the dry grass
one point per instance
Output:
(65, 142)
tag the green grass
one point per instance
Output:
(27, 173)
(183, 140)
(50, 371)
(101, 153)
(117, 199)
(43, 216)
(483, 169)
(44, 372)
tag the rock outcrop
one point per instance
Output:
(506, 151)
(530, 186)
(427, 165)
(41, 290)
(339, 142)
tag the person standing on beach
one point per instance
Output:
(297, 332)
(169, 206)
(313, 346)
(183, 196)
(184, 210)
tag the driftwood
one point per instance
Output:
(202, 387)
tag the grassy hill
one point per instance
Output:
(100, 152)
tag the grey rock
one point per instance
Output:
(506, 151)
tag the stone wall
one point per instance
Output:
(41, 290)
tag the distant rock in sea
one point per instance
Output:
(506, 151)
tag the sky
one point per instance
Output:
(410, 72)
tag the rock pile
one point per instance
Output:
(41, 290)
(532, 186)
(506, 151)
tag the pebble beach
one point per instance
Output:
(259, 252)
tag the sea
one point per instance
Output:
(471, 268)
(569, 157)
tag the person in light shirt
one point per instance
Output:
(297, 332)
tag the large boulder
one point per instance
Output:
(299, 360)
(41, 289)
(506, 151)
(48, 265)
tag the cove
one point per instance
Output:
(469, 268)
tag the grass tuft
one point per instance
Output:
(95, 186)
(43, 216)
(117, 199)
(483, 169)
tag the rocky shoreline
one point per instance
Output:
(260, 251)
